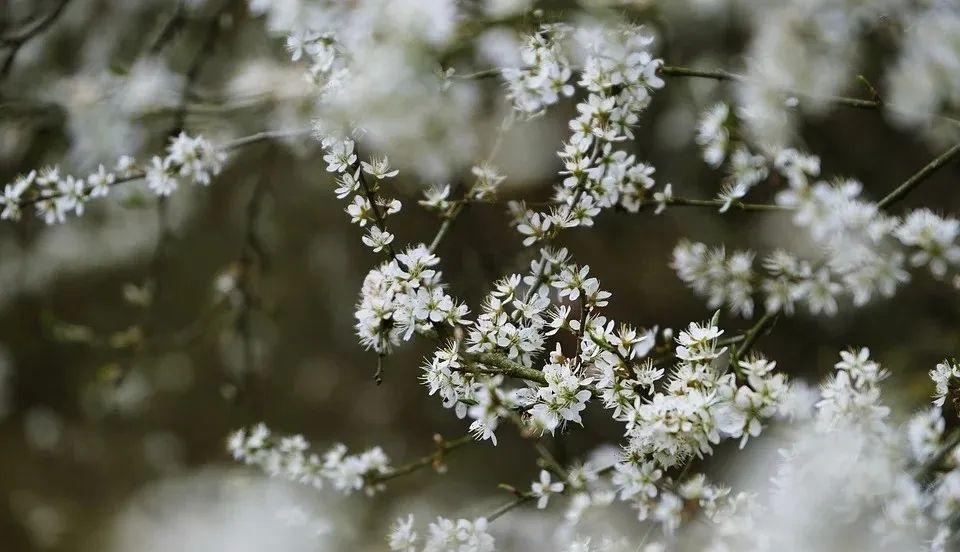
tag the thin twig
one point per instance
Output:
(434, 459)
(521, 498)
(16, 41)
(445, 226)
(479, 75)
(720, 75)
(736, 205)
(170, 28)
(468, 198)
(857, 103)
(497, 364)
(263, 137)
(166, 235)
(378, 375)
(750, 337)
(138, 174)
(377, 215)
(549, 461)
(204, 53)
(252, 256)
(874, 104)
(578, 193)
(902, 190)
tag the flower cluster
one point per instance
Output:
(946, 378)
(445, 375)
(702, 402)
(290, 457)
(563, 397)
(878, 467)
(444, 534)
(327, 66)
(852, 392)
(492, 403)
(924, 79)
(54, 196)
(712, 274)
(744, 169)
(511, 321)
(542, 353)
(516, 321)
(374, 65)
(713, 133)
(864, 250)
(366, 206)
(403, 296)
(618, 77)
(850, 443)
(546, 72)
(492, 369)
(934, 238)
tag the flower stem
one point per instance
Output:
(445, 226)
(750, 337)
(377, 215)
(521, 498)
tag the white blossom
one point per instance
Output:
(402, 537)
(462, 535)
(934, 237)
(543, 488)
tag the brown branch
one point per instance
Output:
(875, 104)
(736, 205)
(17, 40)
(204, 53)
(253, 256)
(434, 459)
(720, 75)
(448, 219)
(521, 499)
(911, 183)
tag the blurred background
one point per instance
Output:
(134, 339)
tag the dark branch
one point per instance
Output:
(902, 190)
(17, 40)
